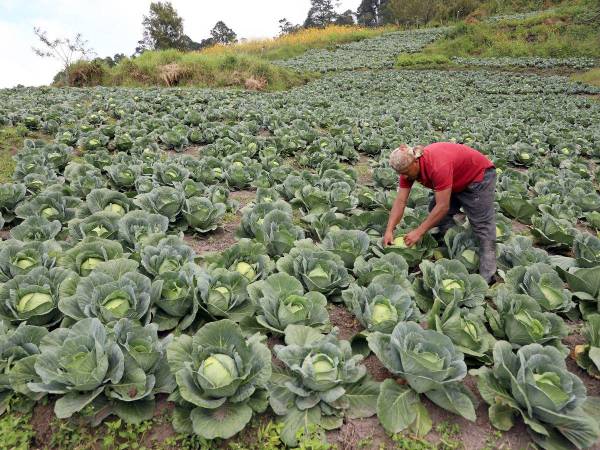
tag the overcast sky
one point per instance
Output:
(114, 26)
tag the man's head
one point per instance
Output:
(405, 161)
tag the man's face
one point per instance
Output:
(411, 172)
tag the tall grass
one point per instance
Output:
(590, 77)
(557, 33)
(294, 44)
(176, 68)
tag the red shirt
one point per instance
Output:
(446, 165)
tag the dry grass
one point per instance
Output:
(590, 77)
(296, 43)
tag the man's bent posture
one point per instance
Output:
(459, 176)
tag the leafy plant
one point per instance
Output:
(115, 371)
(535, 384)
(382, 304)
(431, 365)
(221, 379)
(521, 320)
(449, 281)
(281, 301)
(318, 270)
(321, 383)
(541, 282)
(588, 355)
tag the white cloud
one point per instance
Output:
(114, 26)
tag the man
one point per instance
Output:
(459, 176)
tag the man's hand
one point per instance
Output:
(388, 238)
(412, 238)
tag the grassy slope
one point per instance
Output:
(590, 77)
(11, 138)
(295, 44)
(560, 33)
(220, 66)
(175, 68)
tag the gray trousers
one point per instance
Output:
(477, 201)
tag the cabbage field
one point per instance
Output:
(218, 254)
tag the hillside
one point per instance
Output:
(505, 34)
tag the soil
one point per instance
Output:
(364, 432)
(344, 320)
(194, 150)
(519, 228)
(223, 237)
(41, 422)
(363, 169)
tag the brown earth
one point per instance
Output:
(223, 237)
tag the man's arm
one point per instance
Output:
(442, 205)
(396, 214)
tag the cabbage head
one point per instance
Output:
(382, 304)
(449, 281)
(113, 290)
(221, 379)
(34, 296)
(543, 283)
(223, 294)
(246, 256)
(431, 365)
(319, 377)
(466, 330)
(318, 270)
(347, 244)
(202, 215)
(535, 384)
(282, 301)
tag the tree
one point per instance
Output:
(370, 12)
(222, 34)
(163, 29)
(320, 14)
(345, 18)
(65, 50)
(287, 27)
(415, 12)
(457, 9)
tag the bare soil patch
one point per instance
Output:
(363, 169)
(193, 150)
(360, 433)
(347, 324)
(224, 236)
(41, 423)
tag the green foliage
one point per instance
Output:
(431, 365)
(553, 34)
(10, 137)
(16, 432)
(536, 384)
(420, 60)
(320, 383)
(173, 67)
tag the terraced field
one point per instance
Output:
(204, 268)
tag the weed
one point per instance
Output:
(407, 442)
(15, 431)
(448, 436)
(590, 77)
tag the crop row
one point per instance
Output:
(376, 53)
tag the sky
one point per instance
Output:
(114, 26)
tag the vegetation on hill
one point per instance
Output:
(561, 32)
(177, 68)
(294, 44)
